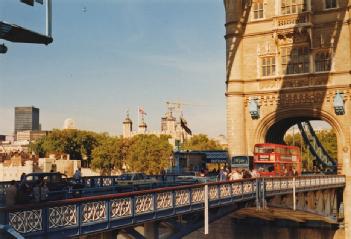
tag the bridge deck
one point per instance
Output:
(74, 217)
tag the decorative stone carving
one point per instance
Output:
(291, 20)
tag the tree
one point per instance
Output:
(37, 147)
(78, 144)
(149, 154)
(201, 142)
(327, 139)
(108, 155)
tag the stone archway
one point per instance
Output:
(276, 124)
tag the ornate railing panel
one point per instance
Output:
(164, 200)
(213, 192)
(26, 221)
(144, 204)
(182, 197)
(63, 216)
(94, 211)
(198, 195)
(121, 207)
(237, 189)
(225, 191)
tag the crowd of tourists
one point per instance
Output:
(236, 174)
(21, 192)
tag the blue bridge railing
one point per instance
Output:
(79, 216)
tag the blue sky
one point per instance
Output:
(117, 55)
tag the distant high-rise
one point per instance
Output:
(26, 118)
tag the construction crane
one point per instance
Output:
(177, 106)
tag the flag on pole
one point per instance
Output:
(141, 111)
(184, 126)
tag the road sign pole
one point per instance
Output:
(49, 18)
(206, 209)
(294, 193)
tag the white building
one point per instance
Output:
(170, 125)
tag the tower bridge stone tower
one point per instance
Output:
(286, 63)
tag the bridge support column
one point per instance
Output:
(109, 235)
(151, 230)
(347, 191)
(347, 208)
(236, 129)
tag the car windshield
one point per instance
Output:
(126, 176)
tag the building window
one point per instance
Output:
(268, 66)
(295, 60)
(323, 61)
(293, 6)
(330, 4)
(257, 7)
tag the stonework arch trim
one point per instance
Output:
(301, 112)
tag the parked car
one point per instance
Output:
(57, 184)
(196, 178)
(135, 179)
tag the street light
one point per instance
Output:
(254, 108)
(339, 103)
(3, 49)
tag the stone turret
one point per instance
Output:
(127, 127)
(142, 127)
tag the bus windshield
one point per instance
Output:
(264, 167)
(240, 160)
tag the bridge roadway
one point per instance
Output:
(97, 214)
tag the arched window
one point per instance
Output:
(257, 8)
(322, 61)
(330, 4)
(295, 60)
(268, 66)
(292, 6)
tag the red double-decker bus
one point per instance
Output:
(277, 160)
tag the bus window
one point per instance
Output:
(242, 162)
(264, 167)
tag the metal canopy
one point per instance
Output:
(15, 33)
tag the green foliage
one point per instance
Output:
(78, 144)
(38, 148)
(108, 155)
(148, 153)
(327, 139)
(201, 142)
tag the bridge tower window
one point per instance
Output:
(330, 4)
(322, 61)
(257, 8)
(295, 60)
(292, 6)
(268, 66)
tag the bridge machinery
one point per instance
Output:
(287, 65)
(176, 211)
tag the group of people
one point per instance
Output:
(236, 174)
(22, 192)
